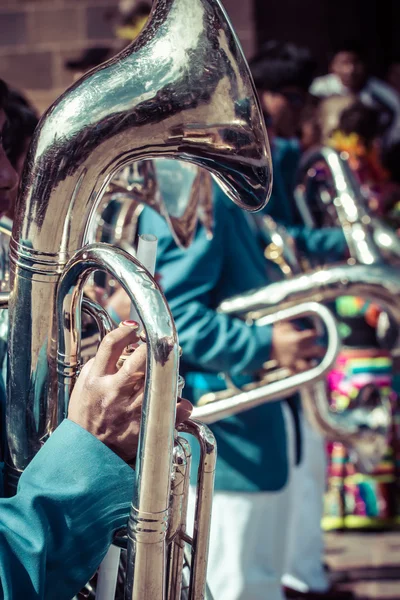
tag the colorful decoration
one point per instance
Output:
(355, 500)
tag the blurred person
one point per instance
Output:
(354, 499)
(349, 75)
(328, 114)
(357, 134)
(21, 121)
(282, 75)
(256, 448)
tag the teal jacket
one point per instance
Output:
(54, 533)
(251, 446)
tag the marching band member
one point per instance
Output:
(349, 75)
(253, 476)
(78, 489)
(282, 74)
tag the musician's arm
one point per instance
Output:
(54, 533)
(217, 342)
(328, 244)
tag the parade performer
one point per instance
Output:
(77, 490)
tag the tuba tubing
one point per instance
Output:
(213, 409)
(182, 90)
(110, 118)
(365, 429)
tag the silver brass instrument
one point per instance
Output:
(365, 432)
(367, 423)
(181, 90)
(342, 203)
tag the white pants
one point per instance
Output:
(248, 542)
(304, 566)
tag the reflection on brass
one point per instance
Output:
(182, 90)
(275, 254)
(365, 430)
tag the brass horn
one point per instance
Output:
(182, 90)
(366, 430)
(340, 201)
(363, 426)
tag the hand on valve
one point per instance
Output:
(107, 400)
(294, 348)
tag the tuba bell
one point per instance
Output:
(182, 90)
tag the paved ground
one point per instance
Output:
(367, 563)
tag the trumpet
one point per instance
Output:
(188, 97)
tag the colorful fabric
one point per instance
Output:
(353, 499)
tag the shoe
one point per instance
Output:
(330, 594)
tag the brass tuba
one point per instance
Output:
(182, 90)
(339, 201)
(366, 433)
(375, 249)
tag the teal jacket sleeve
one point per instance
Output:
(54, 533)
(324, 245)
(196, 279)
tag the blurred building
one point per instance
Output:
(38, 36)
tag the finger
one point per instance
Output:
(112, 346)
(183, 410)
(134, 367)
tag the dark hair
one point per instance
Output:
(3, 94)
(21, 123)
(278, 65)
(350, 46)
(360, 119)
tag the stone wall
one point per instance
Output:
(37, 36)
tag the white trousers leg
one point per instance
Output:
(247, 543)
(304, 566)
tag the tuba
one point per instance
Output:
(339, 201)
(182, 90)
(366, 431)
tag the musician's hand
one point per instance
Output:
(107, 402)
(293, 348)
